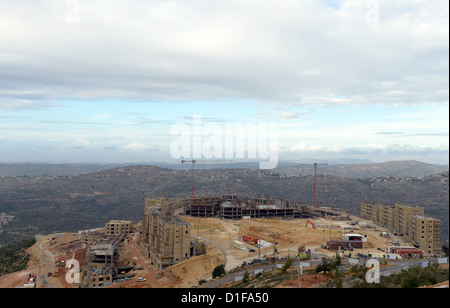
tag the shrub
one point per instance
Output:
(219, 270)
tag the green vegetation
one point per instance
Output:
(413, 277)
(246, 277)
(218, 271)
(270, 279)
(328, 265)
(13, 258)
(339, 276)
(287, 265)
(49, 204)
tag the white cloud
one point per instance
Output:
(304, 147)
(287, 60)
(370, 149)
(136, 147)
(294, 52)
(13, 104)
(290, 115)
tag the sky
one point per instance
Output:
(107, 81)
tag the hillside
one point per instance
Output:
(43, 204)
(32, 169)
(408, 168)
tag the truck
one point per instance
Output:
(250, 240)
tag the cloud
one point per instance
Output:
(290, 115)
(391, 133)
(12, 104)
(404, 134)
(295, 53)
(304, 147)
(137, 147)
(371, 149)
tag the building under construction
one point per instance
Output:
(239, 207)
(165, 238)
(100, 264)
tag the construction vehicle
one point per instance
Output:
(308, 222)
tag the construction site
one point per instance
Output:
(179, 242)
(244, 207)
(134, 259)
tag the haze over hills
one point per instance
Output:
(60, 169)
(355, 169)
(44, 204)
(369, 170)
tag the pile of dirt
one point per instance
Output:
(287, 234)
(204, 224)
(189, 272)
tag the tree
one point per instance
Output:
(338, 260)
(246, 277)
(336, 279)
(219, 270)
(324, 267)
(287, 265)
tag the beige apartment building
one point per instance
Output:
(426, 233)
(408, 220)
(89, 237)
(118, 227)
(403, 215)
(165, 238)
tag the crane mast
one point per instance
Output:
(192, 191)
(315, 173)
(192, 172)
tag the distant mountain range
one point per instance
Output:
(353, 169)
(362, 171)
(42, 204)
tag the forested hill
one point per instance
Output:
(43, 204)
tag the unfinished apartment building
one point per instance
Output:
(165, 238)
(233, 206)
(89, 237)
(100, 265)
(118, 227)
(113, 229)
(408, 220)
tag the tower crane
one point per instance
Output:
(315, 173)
(192, 174)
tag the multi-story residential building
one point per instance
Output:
(118, 227)
(408, 220)
(426, 233)
(403, 217)
(165, 238)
